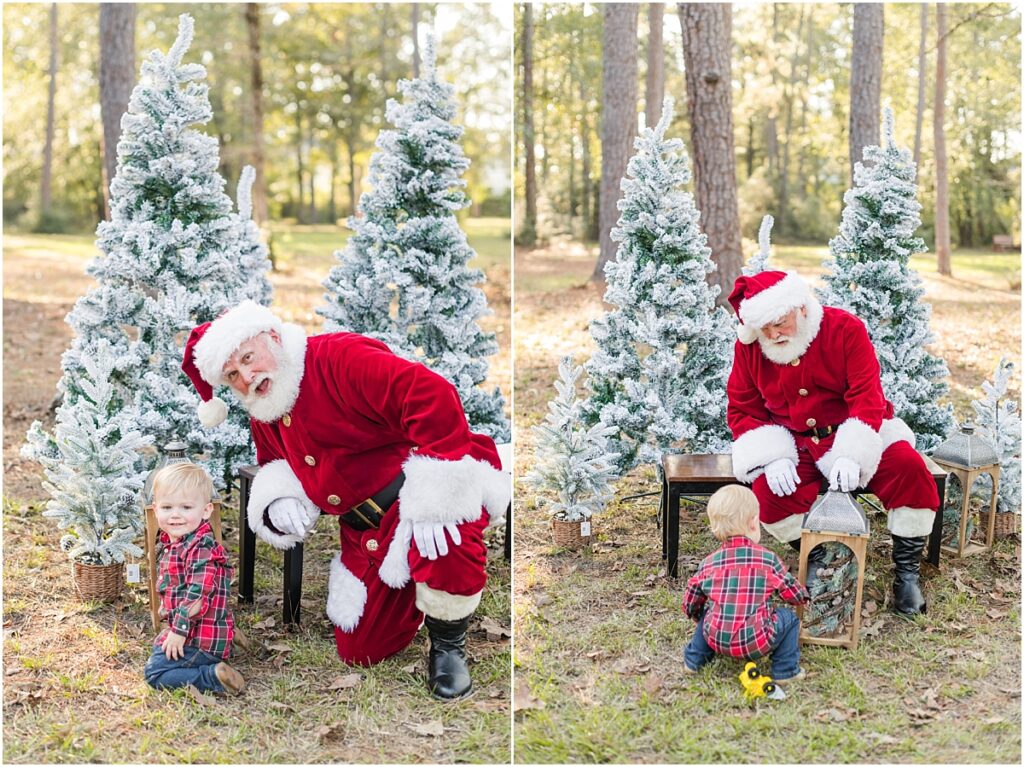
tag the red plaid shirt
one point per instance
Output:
(193, 569)
(735, 583)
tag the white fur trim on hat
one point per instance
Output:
(771, 303)
(452, 491)
(895, 430)
(445, 606)
(907, 522)
(860, 443)
(758, 447)
(213, 412)
(346, 597)
(277, 480)
(227, 333)
(785, 530)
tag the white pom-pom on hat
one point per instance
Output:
(212, 412)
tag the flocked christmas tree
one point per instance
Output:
(573, 460)
(759, 261)
(403, 276)
(998, 423)
(174, 255)
(91, 466)
(869, 275)
(664, 352)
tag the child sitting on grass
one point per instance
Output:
(730, 594)
(194, 580)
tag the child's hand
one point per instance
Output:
(173, 646)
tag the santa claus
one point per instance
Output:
(806, 402)
(345, 427)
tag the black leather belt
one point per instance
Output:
(367, 514)
(820, 432)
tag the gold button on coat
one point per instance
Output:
(803, 392)
(811, 422)
(310, 460)
(794, 363)
(286, 420)
(333, 500)
(372, 545)
(815, 440)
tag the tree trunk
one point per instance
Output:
(45, 183)
(942, 242)
(771, 128)
(922, 77)
(259, 188)
(655, 92)
(350, 152)
(528, 233)
(589, 217)
(117, 77)
(782, 218)
(415, 40)
(707, 34)
(618, 118)
(300, 211)
(865, 79)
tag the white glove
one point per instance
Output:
(782, 477)
(845, 475)
(289, 516)
(430, 540)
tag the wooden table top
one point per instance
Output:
(718, 468)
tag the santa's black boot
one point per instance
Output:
(448, 674)
(815, 561)
(906, 583)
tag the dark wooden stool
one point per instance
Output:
(704, 474)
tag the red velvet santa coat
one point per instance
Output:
(363, 414)
(835, 382)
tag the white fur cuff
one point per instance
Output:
(277, 480)
(895, 430)
(908, 522)
(759, 447)
(346, 597)
(858, 442)
(445, 606)
(785, 530)
(452, 491)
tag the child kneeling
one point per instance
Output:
(194, 580)
(730, 594)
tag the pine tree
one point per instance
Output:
(664, 353)
(999, 423)
(573, 460)
(90, 465)
(869, 275)
(403, 276)
(759, 261)
(174, 255)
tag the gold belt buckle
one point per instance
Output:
(363, 517)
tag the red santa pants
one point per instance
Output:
(902, 480)
(390, 618)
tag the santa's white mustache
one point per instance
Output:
(252, 395)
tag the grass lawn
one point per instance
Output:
(73, 690)
(599, 635)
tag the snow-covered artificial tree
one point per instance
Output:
(759, 261)
(403, 276)
(998, 422)
(174, 255)
(573, 459)
(869, 275)
(90, 464)
(664, 352)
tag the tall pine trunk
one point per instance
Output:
(922, 79)
(618, 118)
(942, 241)
(45, 183)
(117, 78)
(259, 189)
(300, 211)
(707, 45)
(865, 79)
(655, 90)
(528, 233)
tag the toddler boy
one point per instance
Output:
(730, 594)
(194, 580)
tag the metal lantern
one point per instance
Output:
(967, 456)
(834, 518)
(172, 452)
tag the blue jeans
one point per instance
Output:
(785, 647)
(195, 667)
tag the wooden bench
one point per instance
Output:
(1002, 242)
(704, 474)
(292, 556)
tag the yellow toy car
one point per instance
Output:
(755, 684)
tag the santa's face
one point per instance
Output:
(262, 376)
(786, 338)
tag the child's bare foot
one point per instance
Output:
(230, 680)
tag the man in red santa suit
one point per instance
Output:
(345, 427)
(806, 402)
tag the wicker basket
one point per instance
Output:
(102, 583)
(1007, 524)
(567, 534)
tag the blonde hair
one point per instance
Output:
(730, 510)
(185, 477)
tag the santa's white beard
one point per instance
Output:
(784, 351)
(284, 387)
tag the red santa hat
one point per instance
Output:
(211, 344)
(760, 299)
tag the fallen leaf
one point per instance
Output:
(836, 715)
(410, 669)
(433, 728)
(242, 640)
(993, 720)
(869, 608)
(996, 614)
(541, 599)
(279, 647)
(327, 732)
(495, 631)
(881, 737)
(653, 685)
(596, 654)
(524, 699)
(200, 697)
(267, 623)
(280, 705)
(346, 682)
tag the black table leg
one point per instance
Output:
(292, 583)
(935, 539)
(672, 531)
(246, 545)
(508, 532)
(662, 516)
